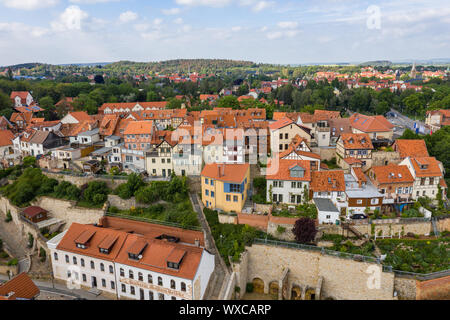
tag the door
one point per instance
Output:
(94, 282)
(164, 173)
(141, 294)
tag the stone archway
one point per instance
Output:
(296, 293)
(258, 285)
(310, 294)
(274, 288)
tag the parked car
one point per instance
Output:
(358, 216)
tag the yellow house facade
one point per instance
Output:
(225, 186)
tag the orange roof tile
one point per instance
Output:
(426, 167)
(282, 169)
(392, 173)
(280, 123)
(139, 127)
(411, 148)
(80, 115)
(327, 181)
(6, 138)
(356, 141)
(22, 287)
(370, 123)
(228, 172)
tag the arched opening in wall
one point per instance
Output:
(258, 285)
(273, 289)
(310, 294)
(296, 293)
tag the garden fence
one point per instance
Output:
(160, 222)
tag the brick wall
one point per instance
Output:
(433, 289)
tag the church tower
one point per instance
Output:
(413, 73)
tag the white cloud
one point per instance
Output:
(92, 1)
(128, 16)
(282, 34)
(236, 29)
(21, 28)
(141, 27)
(70, 19)
(157, 21)
(288, 24)
(206, 3)
(256, 5)
(172, 11)
(29, 4)
(178, 21)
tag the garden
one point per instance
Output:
(231, 239)
(419, 256)
(167, 201)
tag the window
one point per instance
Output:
(92, 265)
(235, 198)
(206, 181)
(84, 277)
(149, 278)
(161, 296)
(168, 160)
(150, 295)
(132, 290)
(183, 286)
(281, 147)
(140, 276)
(55, 255)
(207, 192)
(359, 201)
(172, 284)
(82, 262)
(173, 298)
(111, 269)
(74, 259)
(130, 274)
(286, 135)
(124, 288)
(102, 267)
(163, 160)
(328, 216)
(212, 194)
(374, 201)
(228, 197)
(67, 259)
(153, 160)
(281, 136)
(103, 283)
(113, 285)
(122, 272)
(212, 182)
(431, 181)
(160, 282)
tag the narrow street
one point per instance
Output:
(219, 273)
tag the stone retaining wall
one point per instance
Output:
(124, 204)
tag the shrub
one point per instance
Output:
(128, 189)
(95, 192)
(42, 254)
(13, 262)
(281, 229)
(305, 230)
(8, 216)
(30, 240)
(249, 287)
(66, 190)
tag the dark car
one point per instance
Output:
(358, 216)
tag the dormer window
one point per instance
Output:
(297, 172)
(83, 239)
(136, 249)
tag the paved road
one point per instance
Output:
(57, 288)
(405, 122)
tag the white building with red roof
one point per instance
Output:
(133, 260)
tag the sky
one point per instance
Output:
(263, 31)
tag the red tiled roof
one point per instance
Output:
(431, 168)
(33, 211)
(228, 172)
(6, 138)
(356, 141)
(411, 148)
(370, 123)
(280, 123)
(392, 174)
(282, 169)
(139, 127)
(328, 181)
(80, 115)
(22, 287)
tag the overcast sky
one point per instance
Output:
(271, 31)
